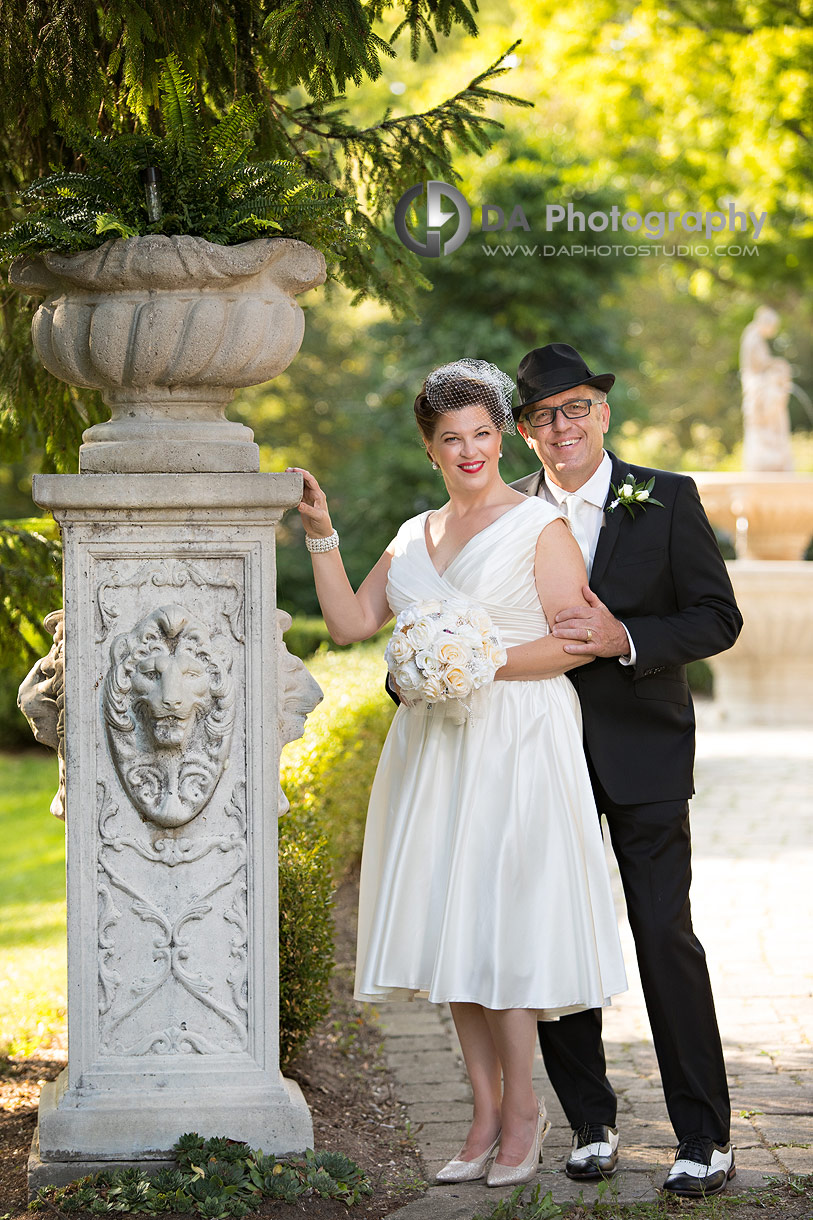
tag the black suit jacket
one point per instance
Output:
(661, 573)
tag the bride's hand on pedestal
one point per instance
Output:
(350, 616)
(313, 507)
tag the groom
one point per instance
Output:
(659, 597)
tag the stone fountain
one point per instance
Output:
(766, 678)
(168, 694)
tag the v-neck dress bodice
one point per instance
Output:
(483, 873)
(484, 571)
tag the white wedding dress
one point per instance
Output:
(483, 875)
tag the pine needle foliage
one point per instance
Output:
(418, 20)
(208, 186)
(30, 587)
(327, 54)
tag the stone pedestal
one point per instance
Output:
(171, 758)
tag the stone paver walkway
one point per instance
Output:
(752, 901)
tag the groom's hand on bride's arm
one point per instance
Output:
(591, 630)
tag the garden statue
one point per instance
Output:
(766, 387)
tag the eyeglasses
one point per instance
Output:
(542, 417)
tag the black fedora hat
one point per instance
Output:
(552, 369)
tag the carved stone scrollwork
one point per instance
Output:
(168, 706)
(172, 574)
(160, 976)
(41, 699)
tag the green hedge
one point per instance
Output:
(327, 773)
(308, 635)
(326, 776)
(305, 940)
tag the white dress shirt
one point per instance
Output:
(587, 517)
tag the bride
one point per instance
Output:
(483, 881)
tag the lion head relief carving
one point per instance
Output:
(168, 706)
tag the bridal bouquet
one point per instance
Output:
(442, 652)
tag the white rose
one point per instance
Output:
(479, 620)
(495, 655)
(430, 606)
(642, 495)
(625, 490)
(434, 690)
(422, 633)
(458, 682)
(399, 649)
(453, 651)
(427, 662)
(408, 676)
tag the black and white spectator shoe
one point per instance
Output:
(595, 1153)
(701, 1168)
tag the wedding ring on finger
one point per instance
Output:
(589, 634)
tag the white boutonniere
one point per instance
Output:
(633, 495)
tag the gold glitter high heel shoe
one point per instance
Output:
(466, 1171)
(513, 1175)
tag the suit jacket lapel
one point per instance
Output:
(608, 535)
(531, 484)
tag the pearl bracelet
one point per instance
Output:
(315, 545)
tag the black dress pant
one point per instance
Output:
(653, 850)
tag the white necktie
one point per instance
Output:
(574, 507)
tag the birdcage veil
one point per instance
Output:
(467, 383)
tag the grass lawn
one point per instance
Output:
(32, 905)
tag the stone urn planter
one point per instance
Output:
(167, 328)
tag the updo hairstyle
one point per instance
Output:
(464, 383)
